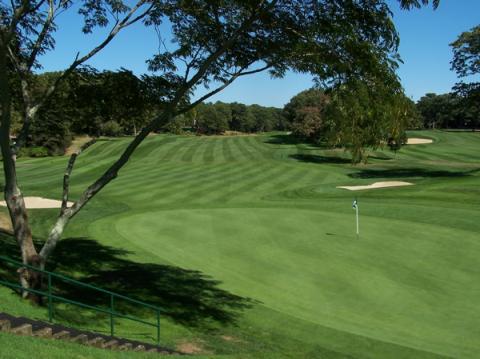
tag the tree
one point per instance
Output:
(458, 109)
(366, 114)
(210, 120)
(215, 42)
(264, 118)
(466, 53)
(242, 118)
(466, 62)
(439, 111)
(304, 112)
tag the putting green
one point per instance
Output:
(308, 264)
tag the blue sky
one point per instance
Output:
(425, 37)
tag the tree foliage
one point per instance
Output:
(449, 110)
(466, 62)
(466, 53)
(365, 115)
(357, 115)
(305, 114)
(218, 117)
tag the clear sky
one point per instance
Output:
(425, 37)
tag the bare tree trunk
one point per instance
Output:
(13, 195)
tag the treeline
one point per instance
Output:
(355, 115)
(216, 118)
(117, 103)
(455, 110)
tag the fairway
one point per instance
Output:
(263, 216)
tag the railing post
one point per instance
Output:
(158, 327)
(112, 321)
(50, 304)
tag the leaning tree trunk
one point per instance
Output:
(29, 279)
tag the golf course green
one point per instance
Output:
(262, 217)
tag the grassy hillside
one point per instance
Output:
(251, 249)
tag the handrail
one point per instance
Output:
(112, 295)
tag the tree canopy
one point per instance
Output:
(466, 53)
(449, 110)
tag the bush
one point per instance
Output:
(51, 133)
(111, 128)
(38, 151)
(176, 125)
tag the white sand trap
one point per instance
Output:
(418, 141)
(377, 185)
(39, 202)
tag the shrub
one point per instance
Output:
(111, 128)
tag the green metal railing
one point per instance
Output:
(113, 296)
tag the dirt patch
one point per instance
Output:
(77, 143)
(40, 202)
(418, 141)
(385, 184)
(229, 338)
(191, 348)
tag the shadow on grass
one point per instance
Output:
(409, 172)
(186, 296)
(284, 139)
(319, 159)
(289, 139)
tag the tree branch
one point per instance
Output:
(20, 12)
(78, 61)
(220, 51)
(41, 37)
(68, 172)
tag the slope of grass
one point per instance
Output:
(18, 347)
(210, 227)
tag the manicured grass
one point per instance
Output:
(263, 216)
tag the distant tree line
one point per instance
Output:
(356, 115)
(117, 103)
(451, 110)
(218, 117)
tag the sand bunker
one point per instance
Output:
(39, 202)
(377, 185)
(418, 141)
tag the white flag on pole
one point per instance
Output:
(355, 204)
(355, 207)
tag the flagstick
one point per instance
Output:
(358, 228)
